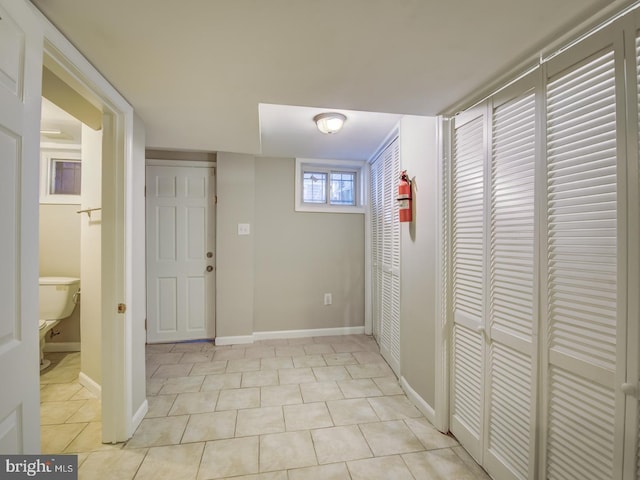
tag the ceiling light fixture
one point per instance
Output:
(330, 122)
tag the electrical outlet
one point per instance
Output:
(244, 229)
(327, 299)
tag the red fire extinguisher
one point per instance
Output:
(404, 198)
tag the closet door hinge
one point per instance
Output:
(630, 389)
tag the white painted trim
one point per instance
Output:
(442, 330)
(393, 134)
(90, 384)
(139, 415)
(241, 339)
(62, 347)
(179, 163)
(426, 409)
(368, 297)
(312, 332)
(283, 334)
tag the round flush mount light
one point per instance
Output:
(330, 122)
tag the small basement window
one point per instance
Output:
(329, 186)
(60, 174)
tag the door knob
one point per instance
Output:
(209, 254)
(209, 268)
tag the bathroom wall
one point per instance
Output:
(60, 257)
(91, 260)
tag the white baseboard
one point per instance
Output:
(312, 332)
(138, 416)
(88, 383)
(280, 334)
(426, 409)
(62, 347)
(234, 340)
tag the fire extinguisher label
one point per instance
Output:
(403, 203)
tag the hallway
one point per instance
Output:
(309, 408)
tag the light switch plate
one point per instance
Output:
(244, 229)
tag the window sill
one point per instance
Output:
(329, 208)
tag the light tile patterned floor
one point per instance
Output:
(311, 408)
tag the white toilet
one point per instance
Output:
(58, 298)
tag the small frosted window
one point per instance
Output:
(65, 177)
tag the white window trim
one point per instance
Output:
(357, 166)
(46, 155)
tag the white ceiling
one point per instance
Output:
(216, 75)
(54, 119)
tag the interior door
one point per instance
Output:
(180, 253)
(20, 85)
(586, 263)
(468, 285)
(385, 172)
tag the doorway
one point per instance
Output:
(118, 360)
(70, 247)
(180, 251)
(31, 43)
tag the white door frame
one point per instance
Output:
(67, 62)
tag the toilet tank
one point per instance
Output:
(58, 297)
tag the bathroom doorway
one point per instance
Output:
(30, 43)
(70, 247)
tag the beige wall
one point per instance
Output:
(276, 277)
(235, 264)
(418, 153)
(91, 255)
(301, 256)
(60, 256)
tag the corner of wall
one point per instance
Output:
(419, 260)
(235, 178)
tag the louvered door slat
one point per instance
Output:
(375, 248)
(395, 260)
(468, 207)
(386, 259)
(467, 378)
(637, 400)
(512, 288)
(582, 270)
(468, 272)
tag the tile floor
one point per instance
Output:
(300, 409)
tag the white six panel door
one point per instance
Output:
(20, 90)
(180, 255)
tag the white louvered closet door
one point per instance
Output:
(377, 171)
(632, 468)
(512, 337)
(468, 276)
(393, 274)
(584, 268)
(385, 173)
